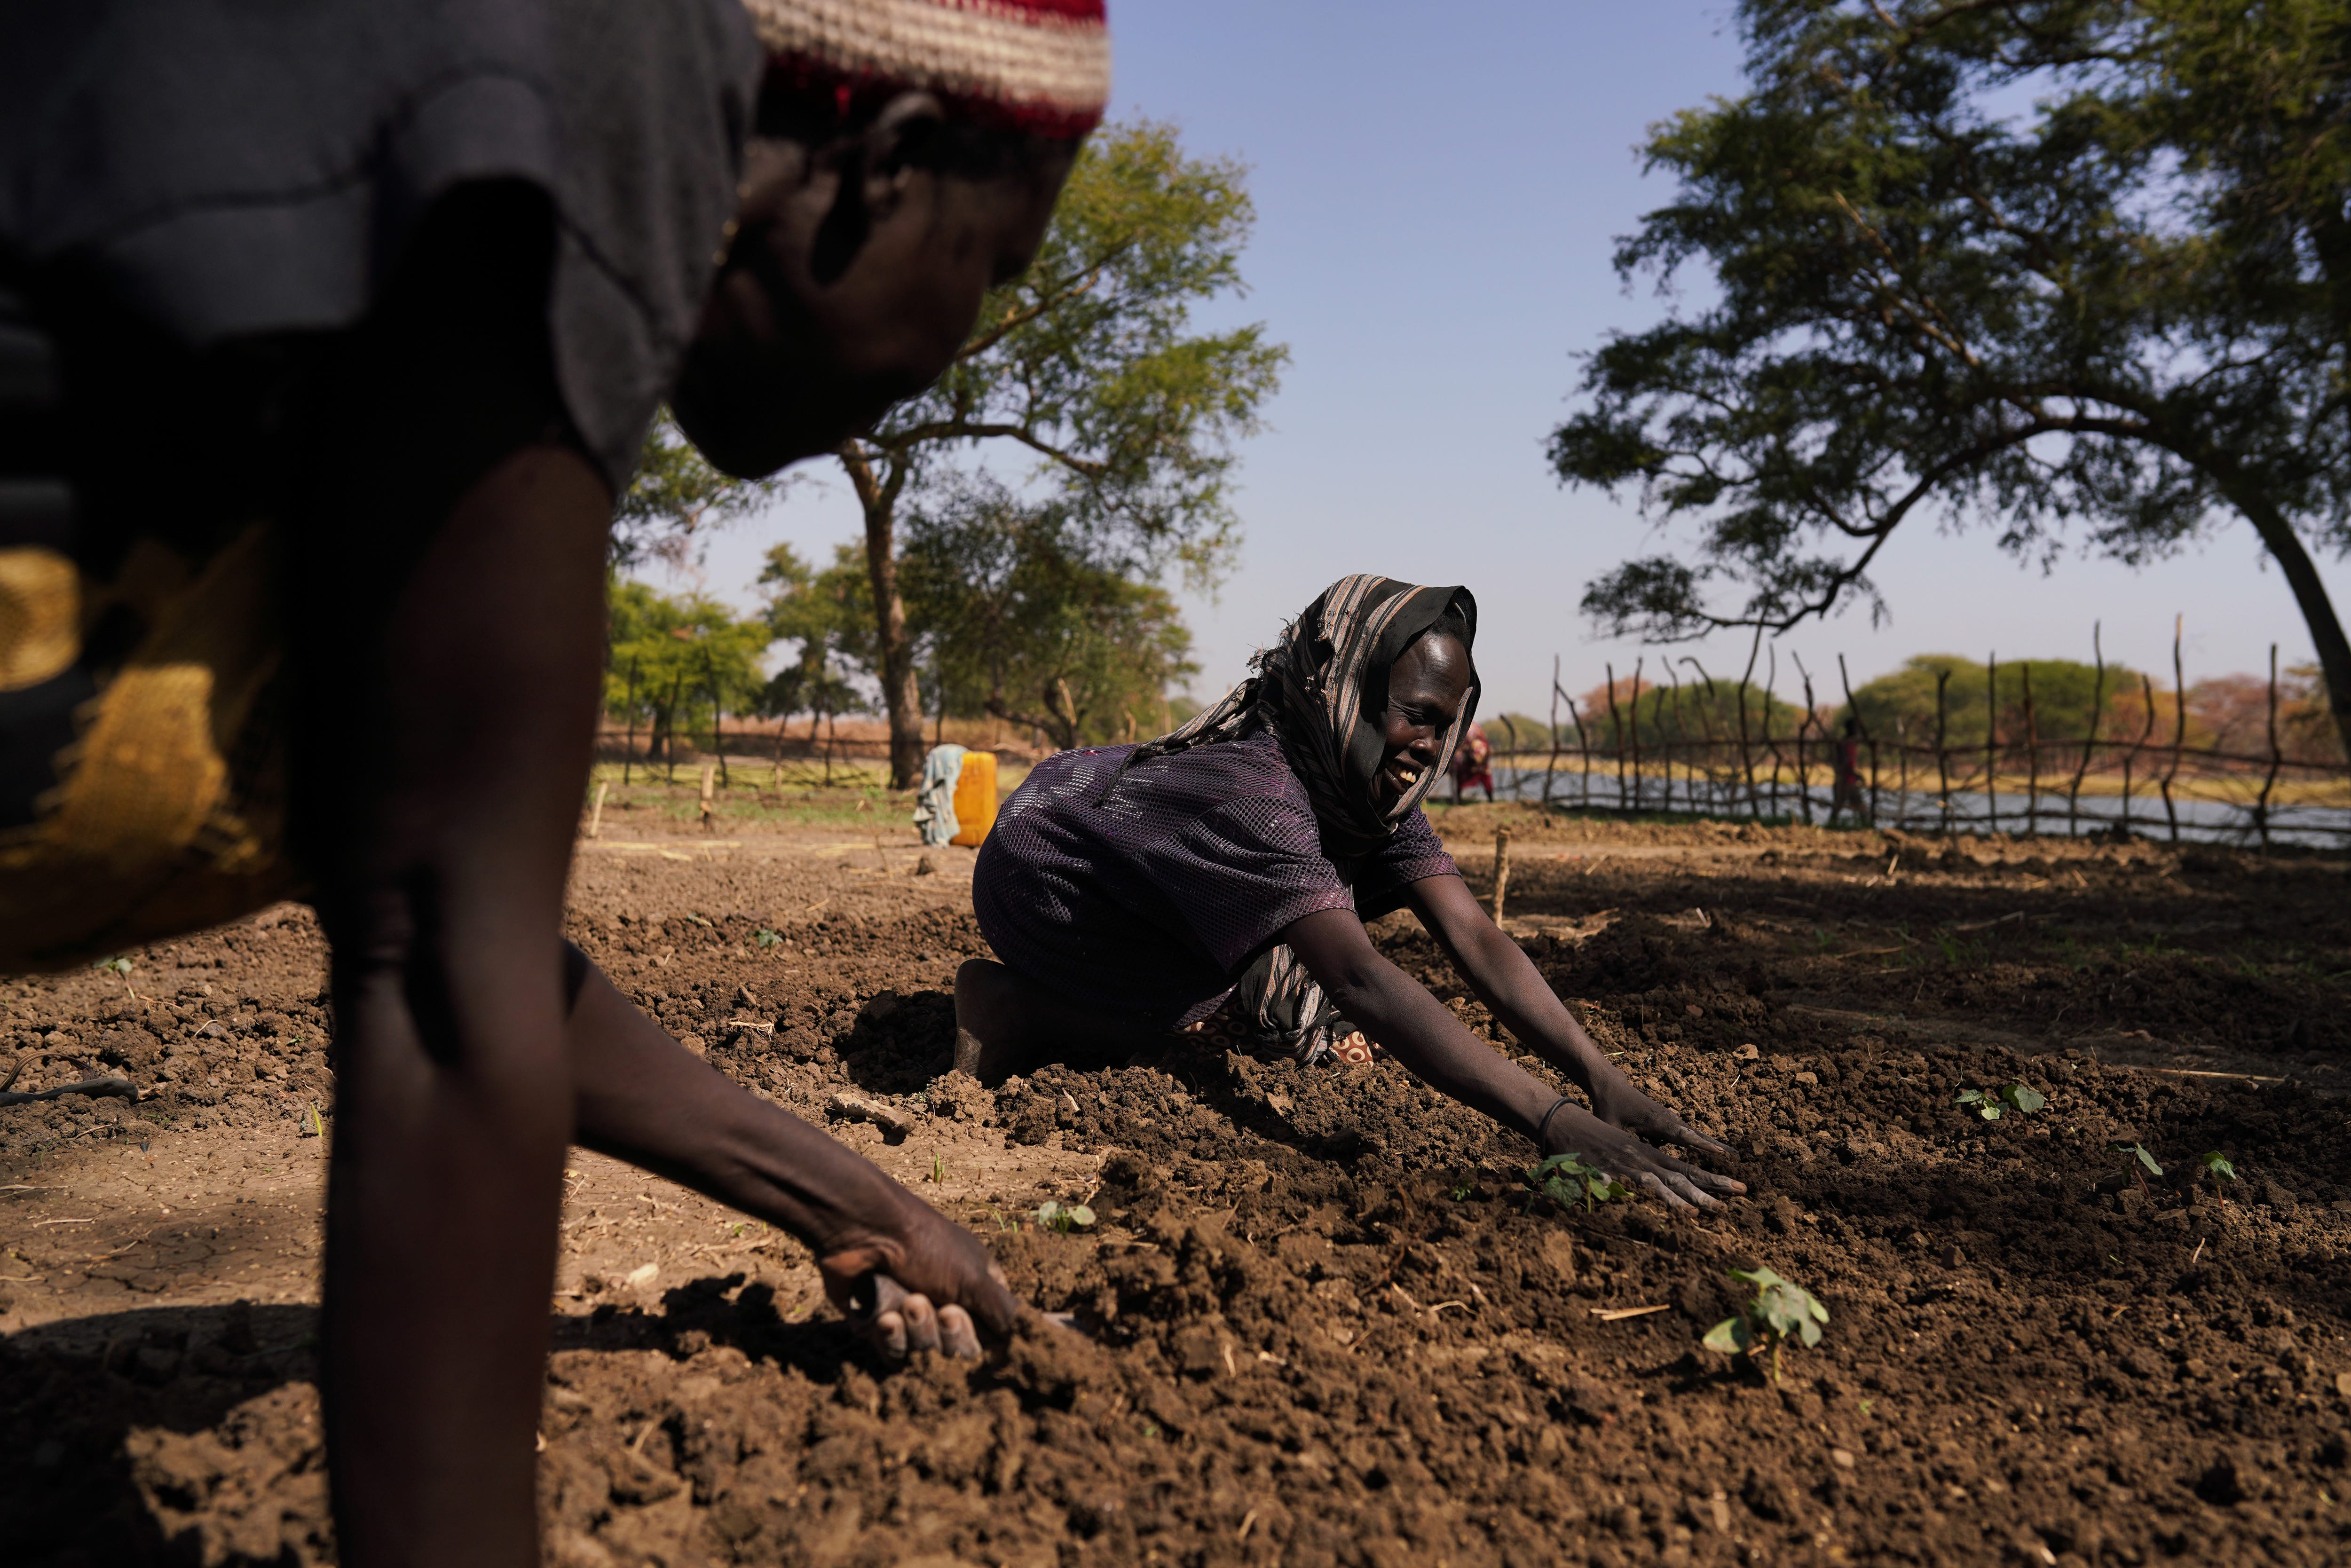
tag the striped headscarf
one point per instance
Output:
(1322, 688)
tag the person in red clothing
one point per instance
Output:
(1473, 764)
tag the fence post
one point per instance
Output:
(1746, 756)
(1942, 753)
(1551, 767)
(1583, 748)
(1902, 759)
(1804, 775)
(1772, 679)
(629, 748)
(2147, 695)
(1617, 733)
(1713, 747)
(1844, 679)
(1681, 739)
(1991, 743)
(2262, 806)
(2178, 728)
(1633, 704)
(2032, 756)
(2089, 741)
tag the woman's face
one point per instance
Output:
(1427, 688)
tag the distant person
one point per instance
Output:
(1847, 795)
(1472, 764)
(1126, 889)
(410, 282)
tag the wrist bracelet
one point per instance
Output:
(1545, 1123)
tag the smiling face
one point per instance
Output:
(1427, 688)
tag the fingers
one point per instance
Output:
(897, 1321)
(958, 1336)
(1689, 1137)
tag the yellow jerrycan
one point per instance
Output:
(975, 797)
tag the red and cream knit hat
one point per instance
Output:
(1039, 65)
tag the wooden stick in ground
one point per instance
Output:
(709, 796)
(1502, 870)
(2262, 806)
(596, 813)
(2089, 741)
(2178, 724)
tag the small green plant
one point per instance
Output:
(2216, 1166)
(1992, 1104)
(938, 1170)
(1064, 1218)
(1463, 1191)
(765, 937)
(1570, 1179)
(1780, 1311)
(118, 967)
(312, 1125)
(2141, 1166)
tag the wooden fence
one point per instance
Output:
(1750, 765)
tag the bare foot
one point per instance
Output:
(992, 1031)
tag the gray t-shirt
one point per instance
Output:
(229, 169)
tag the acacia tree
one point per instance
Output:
(1018, 619)
(2127, 311)
(1089, 366)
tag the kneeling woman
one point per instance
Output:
(1127, 888)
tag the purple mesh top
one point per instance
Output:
(1153, 904)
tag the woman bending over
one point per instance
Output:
(1127, 888)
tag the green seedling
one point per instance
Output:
(1992, 1104)
(1054, 1215)
(2216, 1166)
(312, 1126)
(938, 1171)
(1464, 1190)
(765, 938)
(2142, 1165)
(1780, 1311)
(119, 967)
(1568, 1180)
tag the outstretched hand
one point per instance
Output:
(1624, 1156)
(927, 1284)
(1616, 1101)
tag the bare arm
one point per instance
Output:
(1431, 1042)
(1507, 981)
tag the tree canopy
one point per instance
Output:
(1022, 620)
(675, 656)
(1090, 367)
(675, 497)
(2119, 312)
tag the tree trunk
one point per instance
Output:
(900, 695)
(2285, 546)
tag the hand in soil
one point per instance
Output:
(930, 1287)
(897, 1321)
(1636, 1164)
(1616, 1101)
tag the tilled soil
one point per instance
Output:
(1324, 1320)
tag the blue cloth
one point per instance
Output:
(935, 806)
(1151, 904)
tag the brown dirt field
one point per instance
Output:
(1326, 1326)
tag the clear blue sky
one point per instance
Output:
(1439, 190)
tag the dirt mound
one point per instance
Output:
(1324, 1320)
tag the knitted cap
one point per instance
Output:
(1037, 65)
